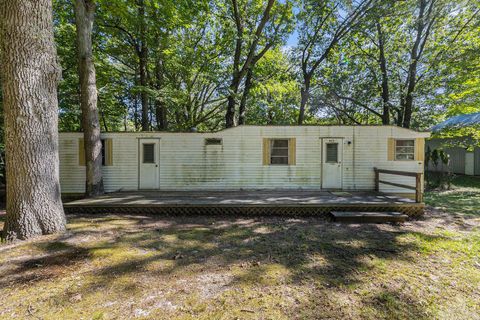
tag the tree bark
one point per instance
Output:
(161, 116)
(305, 96)
(143, 57)
(250, 59)
(84, 17)
(243, 103)
(424, 23)
(160, 108)
(383, 67)
(231, 103)
(30, 75)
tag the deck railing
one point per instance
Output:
(417, 187)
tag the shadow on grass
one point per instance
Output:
(463, 199)
(458, 202)
(385, 304)
(460, 181)
(56, 261)
(310, 250)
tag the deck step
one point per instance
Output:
(368, 217)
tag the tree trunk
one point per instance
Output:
(143, 56)
(305, 95)
(408, 110)
(243, 103)
(232, 103)
(84, 16)
(250, 59)
(424, 20)
(161, 116)
(160, 109)
(30, 74)
(411, 82)
(383, 67)
(401, 108)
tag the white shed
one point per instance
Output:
(249, 157)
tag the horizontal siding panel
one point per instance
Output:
(186, 163)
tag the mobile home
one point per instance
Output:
(248, 158)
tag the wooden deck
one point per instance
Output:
(243, 202)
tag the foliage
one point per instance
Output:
(437, 179)
(191, 43)
(351, 82)
(467, 137)
(274, 95)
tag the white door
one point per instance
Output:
(149, 164)
(332, 154)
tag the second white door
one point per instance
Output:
(332, 157)
(149, 164)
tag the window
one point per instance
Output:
(213, 141)
(149, 153)
(404, 149)
(106, 152)
(279, 151)
(332, 152)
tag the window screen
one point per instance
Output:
(148, 153)
(279, 151)
(332, 152)
(404, 149)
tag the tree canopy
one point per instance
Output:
(207, 64)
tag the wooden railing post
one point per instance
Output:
(418, 188)
(377, 180)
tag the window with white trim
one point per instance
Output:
(405, 149)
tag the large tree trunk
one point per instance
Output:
(160, 108)
(401, 110)
(30, 74)
(232, 103)
(305, 96)
(143, 57)
(383, 67)
(84, 15)
(250, 59)
(408, 108)
(243, 103)
(161, 115)
(424, 24)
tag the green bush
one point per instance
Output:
(437, 179)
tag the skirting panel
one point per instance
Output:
(412, 210)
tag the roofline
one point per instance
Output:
(260, 126)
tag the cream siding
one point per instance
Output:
(186, 163)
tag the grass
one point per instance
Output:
(157, 267)
(463, 198)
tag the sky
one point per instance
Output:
(292, 39)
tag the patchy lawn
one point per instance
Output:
(158, 267)
(463, 198)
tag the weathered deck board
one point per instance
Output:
(248, 202)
